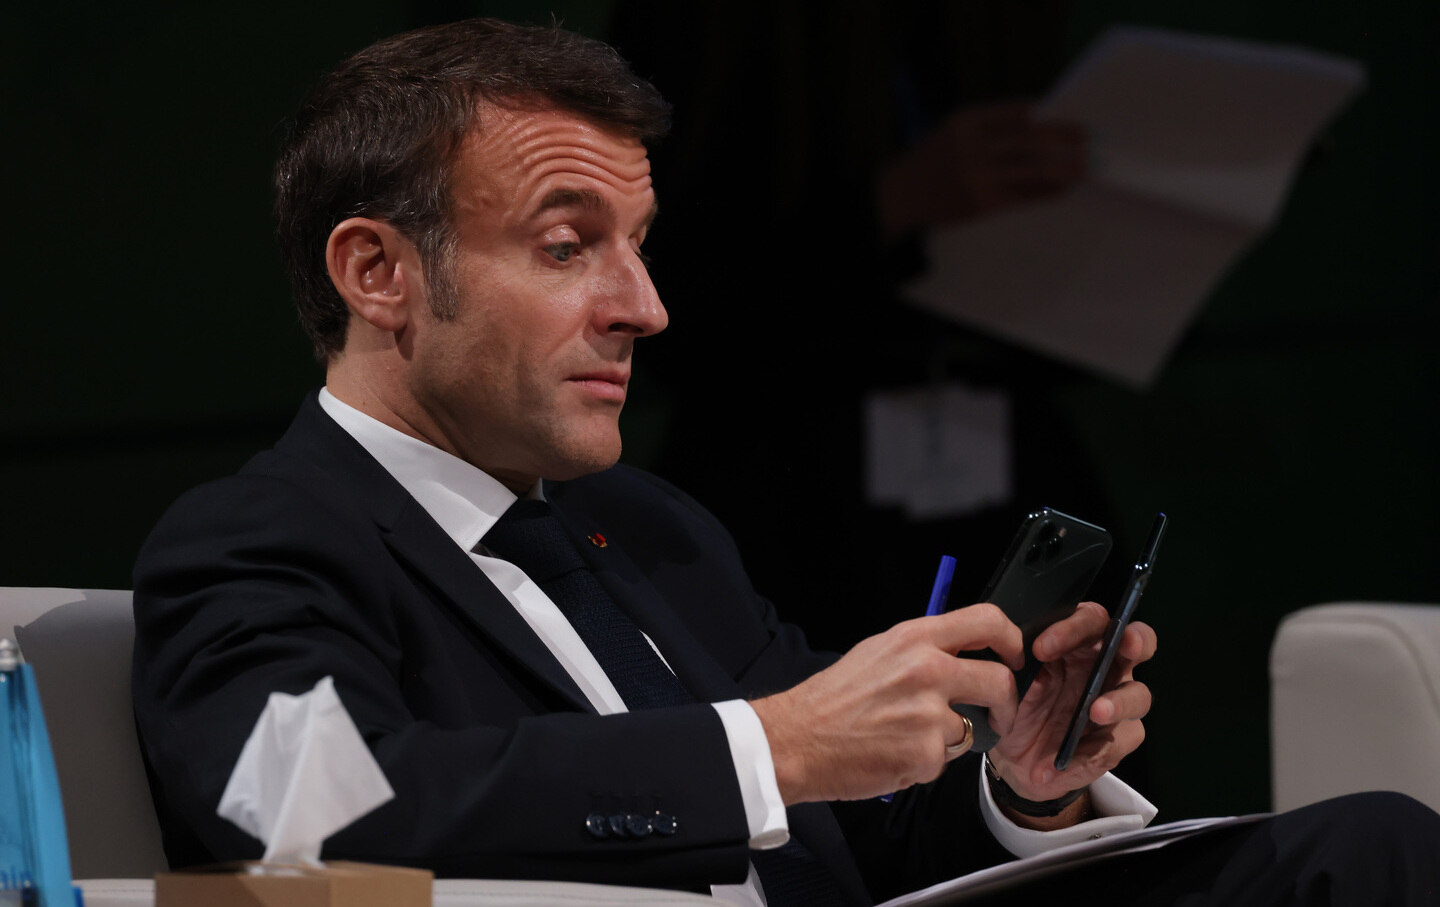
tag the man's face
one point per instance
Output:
(528, 379)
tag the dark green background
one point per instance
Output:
(148, 342)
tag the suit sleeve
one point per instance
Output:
(253, 586)
(926, 834)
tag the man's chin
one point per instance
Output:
(585, 460)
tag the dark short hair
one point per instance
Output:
(378, 135)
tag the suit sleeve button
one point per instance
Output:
(617, 824)
(597, 826)
(638, 825)
(664, 824)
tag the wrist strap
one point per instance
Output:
(1004, 795)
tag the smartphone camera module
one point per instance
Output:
(1049, 539)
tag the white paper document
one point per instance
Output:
(1006, 875)
(1194, 144)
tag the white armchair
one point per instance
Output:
(1355, 702)
(79, 643)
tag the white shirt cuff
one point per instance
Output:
(1118, 805)
(754, 769)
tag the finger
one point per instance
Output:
(959, 736)
(1029, 178)
(979, 627)
(1063, 132)
(1083, 628)
(1061, 158)
(1138, 644)
(1103, 749)
(986, 683)
(1127, 702)
(1035, 144)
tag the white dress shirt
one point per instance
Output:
(466, 502)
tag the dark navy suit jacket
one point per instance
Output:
(314, 561)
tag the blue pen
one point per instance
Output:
(939, 594)
(941, 590)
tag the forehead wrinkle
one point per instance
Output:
(577, 136)
(536, 148)
(620, 161)
(549, 160)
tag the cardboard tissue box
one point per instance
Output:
(304, 774)
(336, 884)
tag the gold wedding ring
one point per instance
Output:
(962, 747)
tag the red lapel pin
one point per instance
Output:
(598, 540)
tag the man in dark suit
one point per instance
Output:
(559, 663)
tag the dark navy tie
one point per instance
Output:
(530, 536)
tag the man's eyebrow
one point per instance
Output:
(583, 199)
(588, 201)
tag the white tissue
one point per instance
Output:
(304, 774)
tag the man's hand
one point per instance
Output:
(879, 719)
(1025, 755)
(979, 159)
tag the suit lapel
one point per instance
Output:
(420, 543)
(428, 551)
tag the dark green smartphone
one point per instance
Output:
(1042, 577)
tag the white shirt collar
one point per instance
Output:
(463, 499)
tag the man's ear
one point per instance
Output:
(376, 271)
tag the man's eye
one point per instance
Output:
(562, 251)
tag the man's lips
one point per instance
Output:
(607, 385)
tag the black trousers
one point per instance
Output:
(1362, 849)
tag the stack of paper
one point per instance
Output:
(1194, 144)
(1018, 872)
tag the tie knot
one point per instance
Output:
(531, 537)
(526, 510)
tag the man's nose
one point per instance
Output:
(635, 304)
